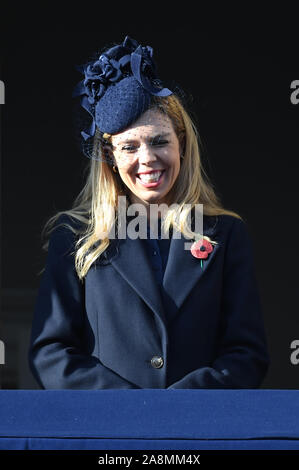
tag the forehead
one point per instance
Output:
(149, 124)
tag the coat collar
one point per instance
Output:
(183, 270)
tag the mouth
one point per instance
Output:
(151, 179)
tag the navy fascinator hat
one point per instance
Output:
(117, 87)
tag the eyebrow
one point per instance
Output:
(149, 139)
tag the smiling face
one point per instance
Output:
(147, 155)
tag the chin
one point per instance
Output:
(155, 198)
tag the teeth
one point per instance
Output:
(150, 177)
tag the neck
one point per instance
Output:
(151, 212)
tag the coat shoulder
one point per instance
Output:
(229, 221)
(237, 236)
(220, 224)
(66, 231)
(223, 228)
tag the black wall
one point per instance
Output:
(237, 71)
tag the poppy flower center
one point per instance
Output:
(202, 248)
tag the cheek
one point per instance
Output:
(176, 166)
(174, 161)
(170, 156)
(126, 175)
(122, 166)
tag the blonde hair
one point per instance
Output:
(103, 187)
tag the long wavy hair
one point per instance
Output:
(103, 187)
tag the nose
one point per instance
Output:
(146, 154)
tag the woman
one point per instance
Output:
(116, 310)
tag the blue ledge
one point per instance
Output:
(149, 419)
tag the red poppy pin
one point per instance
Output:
(201, 249)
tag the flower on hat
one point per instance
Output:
(108, 77)
(201, 249)
(111, 67)
(97, 76)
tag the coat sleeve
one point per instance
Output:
(242, 357)
(58, 357)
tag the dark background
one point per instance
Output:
(235, 67)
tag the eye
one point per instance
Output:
(158, 142)
(129, 148)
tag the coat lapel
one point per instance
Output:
(133, 265)
(183, 270)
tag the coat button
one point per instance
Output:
(157, 362)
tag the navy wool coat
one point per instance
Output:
(116, 331)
